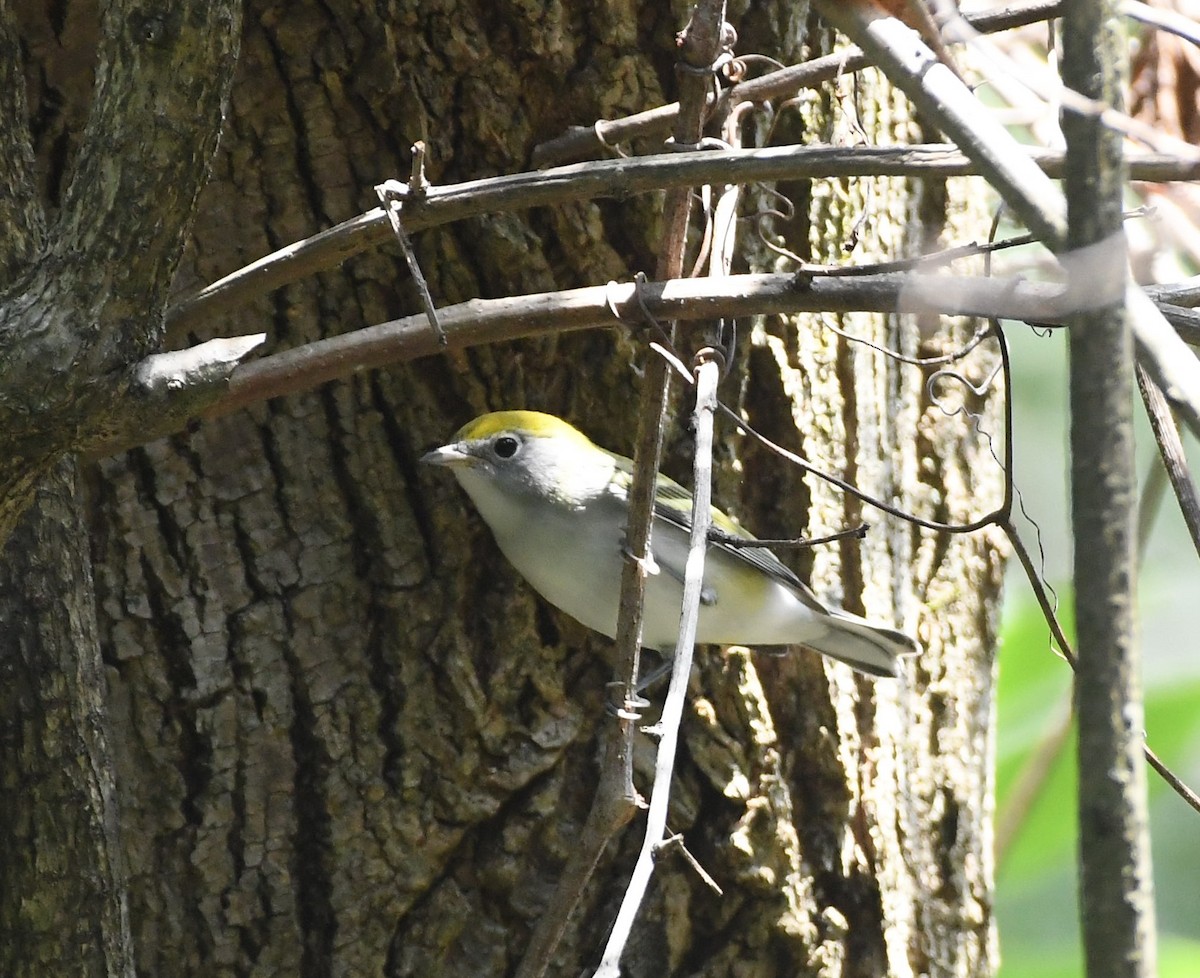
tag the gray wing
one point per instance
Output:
(673, 505)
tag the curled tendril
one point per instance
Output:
(737, 69)
(979, 390)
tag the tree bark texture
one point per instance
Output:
(82, 299)
(348, 739)
(62, 894)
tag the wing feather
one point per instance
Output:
(673, 505)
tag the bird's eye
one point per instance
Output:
(506, 446)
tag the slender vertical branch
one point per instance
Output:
(707, 374)
(699, 44)
(1116, 894)
(616, 796)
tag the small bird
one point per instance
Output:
(558, 506)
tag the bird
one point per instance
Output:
(557, 505)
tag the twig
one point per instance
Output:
(1162, 18)
(1065, 648)
(676, 841)
(583, 142)
(708, 373)
(612, 809)
(1170, 447)
(1185, 293)
(947, 103)
(392, 194)
(1172, 779)
(742, 543)
(699, 43)
(1056, 96)
(447, 203)
(496, 320)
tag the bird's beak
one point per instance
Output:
(451, 456)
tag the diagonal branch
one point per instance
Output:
(946, 101)
(606, 178)
(480, 321)
(583, 142)
(1170, 447)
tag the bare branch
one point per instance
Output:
(1185, 293)
(700, 43)
(583, 142)
(1170, 447)
(940, 94)
(496, 320)
(708, 373)
(605, 178)
(945, 101)
(1165, 356)
(1116, 906)
(169, 389)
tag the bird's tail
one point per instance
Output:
(868, 648)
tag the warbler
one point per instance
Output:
(558, 504)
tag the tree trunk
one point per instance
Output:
(348, 739)
(63, 909)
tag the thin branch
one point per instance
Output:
(700, 44)
(1162, 18)
(1165, 357)
(1036, 585)
(392, 195)
(946, 102)
(1116, 892)
(482, 321)
(583, 142)
(745, 543)
(1172, 779)
(708, 373)
(1185, 321)
(612, 809)
(1067, 651)
(1170, 447)
(328, 249)
(1043, 82)
(1185, 293)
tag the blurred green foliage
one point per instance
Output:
(1036, 893)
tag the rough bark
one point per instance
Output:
(83, 295)
(62, 897)
(348, 739)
